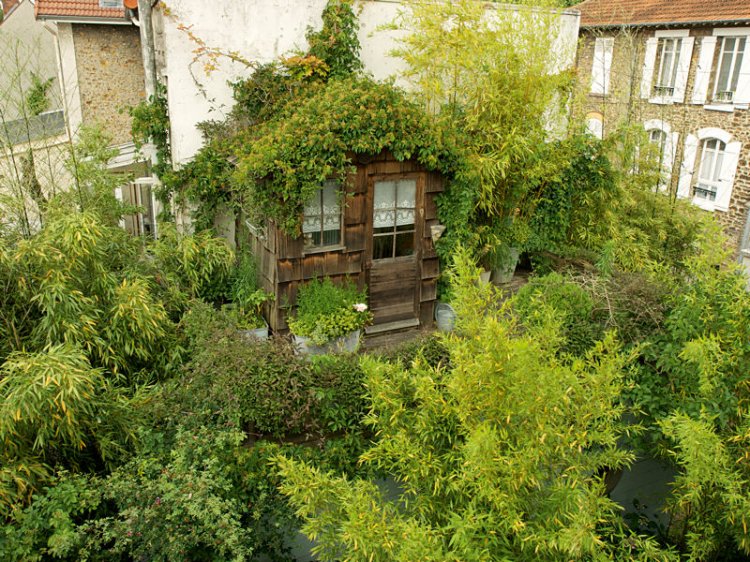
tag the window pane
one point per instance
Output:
(321, 222)
(384, 214)
(725, 65)
(404, 244)
(382, 247)
(675, 60)
(407, 193)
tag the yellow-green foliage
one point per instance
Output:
(497, 457)
(55, 409)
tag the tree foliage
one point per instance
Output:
(498, 457)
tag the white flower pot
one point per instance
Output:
(348, 343)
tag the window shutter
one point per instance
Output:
(683, 69)
(728, 170)
(688, 166)
(671, 150)
(600, 69)
(649, 61)
(703, 72)
(742, 95)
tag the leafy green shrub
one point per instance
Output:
(339, 391)
(573, 306)
(55, 409)
(326, 311)
(430, 350)
(207, 499)
(198, 265)
(261, 387)
(497, 457)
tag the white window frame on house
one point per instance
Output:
(319, 210)
(595, 125)
(666, 82)
(602, 65)
(726, 86)
(707, 84)
(719, 156)
(666, 148)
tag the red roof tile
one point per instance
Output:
(599, 13)
(8, 7)
(76, 9)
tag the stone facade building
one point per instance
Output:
(100, 68)
(682, 70)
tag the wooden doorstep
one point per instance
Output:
(392, 326)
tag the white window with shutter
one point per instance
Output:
(666, 66)
(729, 87)
(703, 70)
(602, 65)
(687, 166)
(719, 155)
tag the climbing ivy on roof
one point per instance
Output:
(315, 136)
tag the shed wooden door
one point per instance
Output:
(395, 226)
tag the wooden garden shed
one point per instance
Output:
(378, 234)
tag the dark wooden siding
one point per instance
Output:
(284, 264)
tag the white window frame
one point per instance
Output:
(309, 247)
(602, 65)
(668, 150)
(671, 46)
(724, 182)
(595, 126)
(709, 172)
(680, 66)
(741, 94)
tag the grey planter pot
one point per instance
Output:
(445, 317)
(503, 275)
(348, 343)
(257, 333)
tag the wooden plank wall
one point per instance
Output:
(284, 265)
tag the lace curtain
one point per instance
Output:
(394, 203)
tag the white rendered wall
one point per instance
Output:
(261, 31)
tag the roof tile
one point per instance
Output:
(600, 13)
(87, 9)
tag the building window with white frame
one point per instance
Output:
(709, 175)
(731, 53)
(668, 56)
(321, 224)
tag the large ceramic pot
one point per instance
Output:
(504, 274)
(348, 343)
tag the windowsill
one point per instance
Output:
(661, 100)
(708, 205)
(323, 249)
(704, 204)
(725, 107)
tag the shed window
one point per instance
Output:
(394, 210)
(321, 225)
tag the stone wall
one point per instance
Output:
(623, 103)
(110, 76)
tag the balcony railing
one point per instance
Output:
(705, 192)
(724, 97)
(664, 91)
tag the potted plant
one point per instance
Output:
(329, 318)
(246, 315)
